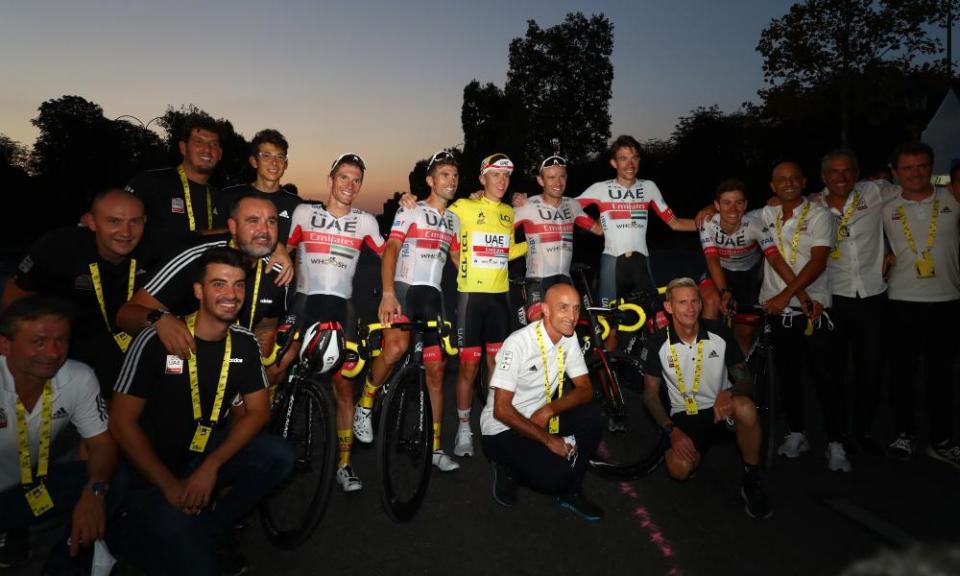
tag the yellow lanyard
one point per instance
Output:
(555, 420)
(122, 338)
(689, 402)
(256, 292)
(795, 241)
(931, 235)
(202, 434)
(189, 207)
(37, 496)
(842, 226)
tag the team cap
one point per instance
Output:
(498, 161)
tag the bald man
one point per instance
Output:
(539, 439)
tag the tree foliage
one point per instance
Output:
(13, 154)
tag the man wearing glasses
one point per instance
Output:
(547, 220)
(268, 156)
(328, 239)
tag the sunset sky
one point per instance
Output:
(381, 79)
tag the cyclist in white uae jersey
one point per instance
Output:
(328, 240)
(411, 273)
(547, 221)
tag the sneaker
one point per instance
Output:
(794, 444)
(582, 507)
(14, 548)
(229, 558)
(945, 451)
(755, 499)
(443, 462)
(347, 480)
(464, 443)
(837, 458)
(504, 486)
(363, 424)
(901, 448)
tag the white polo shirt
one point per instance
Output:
(817, 230)
(76, 399)
(859, 269)
(519, 369)
(904, 282)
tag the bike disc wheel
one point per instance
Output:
(405, 445)
(631, 443)
(294, 509)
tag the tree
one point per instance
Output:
(13, 155)
(561, 80)
(833, 42)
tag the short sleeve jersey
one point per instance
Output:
(817, 229)
(623, 213)
(486, 245)
(520, 369)
(720, 352)
(328, 248)
(59, 265)
(742, 249)
(286, 202)
(549, 232)
(426, 236)
(163, 195)
(163, 381)
(904, 282)
(76, 400)
(172, 285)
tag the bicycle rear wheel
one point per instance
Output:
(764, 389)
(306, 419)
(631, 444)
(405, 446)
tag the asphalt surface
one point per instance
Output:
(823, 521)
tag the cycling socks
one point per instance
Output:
(436, 436)
(344, 441)
(464, 416)
(369, 392)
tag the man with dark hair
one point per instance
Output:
(168, 292)
(97, 267)
(268, 156)
(180, 200)
(697, 360)
(189, 427)
(328, 240)
(924, 290)
(40, 392)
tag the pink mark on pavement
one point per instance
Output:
(654, 533)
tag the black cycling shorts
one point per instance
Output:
(482, 319)
(421, 302)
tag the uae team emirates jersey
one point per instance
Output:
(549, 232)
(328, 248)
(623, 213)
(486, 245)
(738, 251)
(425, 236)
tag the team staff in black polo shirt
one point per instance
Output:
(697, 360)
(97, 267)
(268, 156)
(170, 417)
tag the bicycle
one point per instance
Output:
(632, 444)
(405, 426)
(303, 413)
(761, 363)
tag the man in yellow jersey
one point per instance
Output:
(483, 308)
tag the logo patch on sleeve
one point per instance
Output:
(506, 360)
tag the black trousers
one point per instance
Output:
(859, 323)
(533, 465)
(924, 330)
(793, 350)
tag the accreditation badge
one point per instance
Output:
(690, 405)
(554, 425)
(924, 265)
(174, 364)
(200, 438)
(835, 253)
(39, 499)
(123, 340)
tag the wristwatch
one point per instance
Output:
(154, 315)
(99, 488)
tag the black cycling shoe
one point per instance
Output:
(582, 507)
(504, 486)
(756, 500)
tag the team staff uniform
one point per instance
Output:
(549, 234)
(285, 201)
(740, 254)
(175, 204)
(65, 263)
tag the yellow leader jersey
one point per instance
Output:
(486, 245)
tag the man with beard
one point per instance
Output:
(183, 437)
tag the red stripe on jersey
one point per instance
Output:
(348, 241)
(710, 250)
(372, 244)
(295, 236)
(584, 221)
(666, 215)
(771, 250)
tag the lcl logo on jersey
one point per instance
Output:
(324, 223)
(506, 219)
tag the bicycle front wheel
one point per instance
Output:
(306, 419)
(405, 447)
(631, 444)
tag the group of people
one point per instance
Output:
(146, 327)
